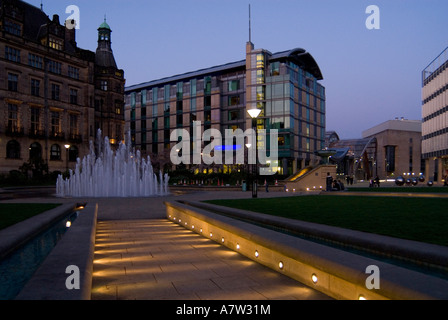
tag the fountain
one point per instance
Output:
(123, 173)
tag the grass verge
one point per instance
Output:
(404, 189)
(12, 213)
(419, 219)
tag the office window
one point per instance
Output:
(54, 67)
(390, 159)
(35, 87)
(56, 43)
(13, 80)
(234, 85)
(35, 61)
(55, 123)
(103, 86)
(193, 105)
(73, 72)
(13, 28)
(12, 54)
(35, 120)
(55, 152)
(234, 100)
(234, 115)
(55, 91)
(13, 116)
(73, 96)
(193, 87)
(13, 150)
(73, 124)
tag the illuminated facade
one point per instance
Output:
(53, 93)
(284, 86)
(435, 117)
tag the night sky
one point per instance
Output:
(370, 75)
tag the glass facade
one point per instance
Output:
(290, 98)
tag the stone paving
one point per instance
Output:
(157, 259)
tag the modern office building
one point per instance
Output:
(435, 117)
(284, 86)
(53, 94)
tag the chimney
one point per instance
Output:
(70, 31)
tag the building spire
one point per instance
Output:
(250, 27)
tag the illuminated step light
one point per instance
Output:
(222, 239)
(256, 254)
(211, 234)
(361, 297)
(185, 223)
(68, 224)
(314, 278)
(280, 265)
(200, 230)
(192, 227)
(238, 246)
(180, 220)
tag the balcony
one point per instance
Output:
(14, 131)
(56, 135)
(75, 138)
(36, 134)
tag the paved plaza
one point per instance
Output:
(139, 254)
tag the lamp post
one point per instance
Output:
(67, 147)
(254, 113)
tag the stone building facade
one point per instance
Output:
(53, 94)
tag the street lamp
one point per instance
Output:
(254, 113)
(67, 147)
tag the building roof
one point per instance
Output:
(396, 124)
(302, 58)
(104, 25)
(193, 74)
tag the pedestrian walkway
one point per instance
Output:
(155, 259)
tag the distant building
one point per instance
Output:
(435, 117)
(53, 93)
(284, 86)
(354, 158)
(399, 147)
(387, 150)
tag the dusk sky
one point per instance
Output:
(370, 76)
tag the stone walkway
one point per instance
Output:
(155, 259)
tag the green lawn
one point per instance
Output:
(12, 213)
(420, 219)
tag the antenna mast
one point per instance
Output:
(250, 31)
